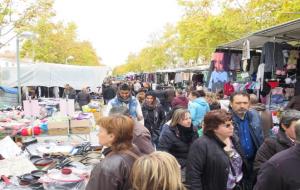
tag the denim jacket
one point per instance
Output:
(255, 127)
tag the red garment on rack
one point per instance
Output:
(273, 84)
(228, 89)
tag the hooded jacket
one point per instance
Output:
(198, 108)
(180, 101)
(266, 118)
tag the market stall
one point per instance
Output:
(268, 57)
(180, 77)
(47, 165)
(48, 148)
(266, 62)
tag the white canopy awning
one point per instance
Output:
(185, 69)
(49, 75)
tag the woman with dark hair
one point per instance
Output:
(124, 98)
(83, 97)
(177, 137)
(180, 99)
(113, 172)
(215, 160)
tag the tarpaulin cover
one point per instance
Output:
(9, 90)
(49, 75)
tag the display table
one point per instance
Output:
(48, 164)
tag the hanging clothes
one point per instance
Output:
(246, 50)
(245, 65)
(235, 62)
(178, 78)
(260, 75)
(228, 89)
(210, 70)
(254, 63)
(285, 56)
(293, 58)
(272, 56)
(185, 76)
(198, 78)
(226, 61)
(297, 87)
(166, 78)
(217, 80)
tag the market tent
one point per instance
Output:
(49, 75)
(286, 32)
(185, 69)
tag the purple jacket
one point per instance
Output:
(180, 101)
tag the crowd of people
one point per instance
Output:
(167, 139)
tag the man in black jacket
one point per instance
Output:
(284, 139)
(282, 171)
(154, 116)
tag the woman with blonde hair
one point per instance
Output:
(157, 171)
(177, 138)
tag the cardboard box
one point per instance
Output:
(80, 126)
(58, 127)
(97, 116)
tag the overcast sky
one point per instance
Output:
(118, 27)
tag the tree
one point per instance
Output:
(17, 15)
(201, 29)
(55, 42)
(204, 26)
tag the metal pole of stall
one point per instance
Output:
(18, 71)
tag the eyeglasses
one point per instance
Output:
(228, 124)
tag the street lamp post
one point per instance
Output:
(18, 70)
(18, 37)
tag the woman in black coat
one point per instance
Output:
(177, 137)
(215, 161)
